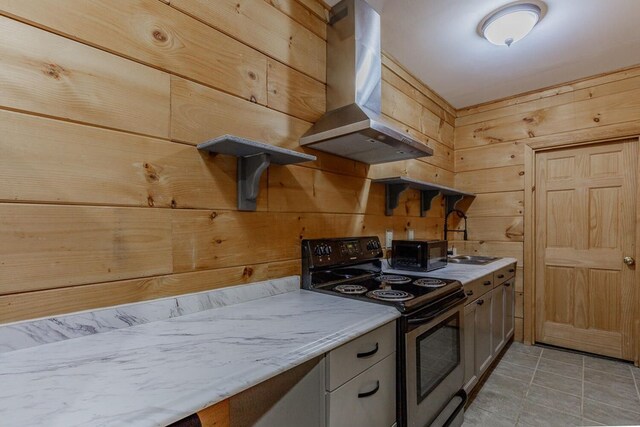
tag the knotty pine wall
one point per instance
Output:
(489, 152)
(104, 197)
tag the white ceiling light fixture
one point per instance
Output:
(511, 23)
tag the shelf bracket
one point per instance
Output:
(426, 198)
(392, 196)
(253, 158)
(250, 170)
(451, 201)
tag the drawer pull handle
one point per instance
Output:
(487, 283)
(368, 353)
(480, 302)
(469, 293)
(370, 393)
(500, 276)
(506, 285)
(511, 270)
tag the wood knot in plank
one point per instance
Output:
(160, 35)
(54, 71)
(247, 272)
(150, 173)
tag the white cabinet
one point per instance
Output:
(488, 321)
(353, 385)
(361, 381)
(483, 344)
(470, 374)
(368, 400)
(497, 319)
(509, 308)
(354, 357)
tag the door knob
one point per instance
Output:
(629, 260)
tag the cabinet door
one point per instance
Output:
(368, 400)
(470, 373)
(509, 308)
(294, 398)
(497, 319)
(483, 348)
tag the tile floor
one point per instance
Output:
(534, 386)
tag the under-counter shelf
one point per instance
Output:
(253, 159)
(394, 186)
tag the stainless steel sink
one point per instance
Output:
(472, 259)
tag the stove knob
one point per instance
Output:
(329, 249)
(318, 251)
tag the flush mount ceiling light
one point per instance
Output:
(510, 23)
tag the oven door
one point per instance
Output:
(434, 362)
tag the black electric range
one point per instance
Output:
(352, 267)
(430, 365)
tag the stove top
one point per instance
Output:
(405, 292)
(352, 268)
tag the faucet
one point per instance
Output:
(446, 221)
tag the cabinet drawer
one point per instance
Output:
(504, 274)
(355, 404)
(478, 287)
(352, 358)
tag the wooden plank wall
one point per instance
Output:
(490, 144)
(105, 199)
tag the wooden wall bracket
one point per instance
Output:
(253, 159)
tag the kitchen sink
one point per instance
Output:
(472, 259)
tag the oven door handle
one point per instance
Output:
(427, 319)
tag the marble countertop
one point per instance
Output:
(465, 273)
(159, 372)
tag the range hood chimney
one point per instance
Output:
(352, 127)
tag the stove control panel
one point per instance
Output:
(328, 252)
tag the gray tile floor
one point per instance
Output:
(532, 386)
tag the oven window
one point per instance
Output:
(438, 354)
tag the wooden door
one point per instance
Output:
(585, 225)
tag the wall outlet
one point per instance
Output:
(410, 234)
(388, 236)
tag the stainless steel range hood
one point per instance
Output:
(352, 126)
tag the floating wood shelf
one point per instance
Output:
(396, 185)
(253, 159)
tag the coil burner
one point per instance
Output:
(350, 289)
(389, 295)
(393, 279)
(430, 283)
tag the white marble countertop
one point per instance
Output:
(157, 373)
(465, 273)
